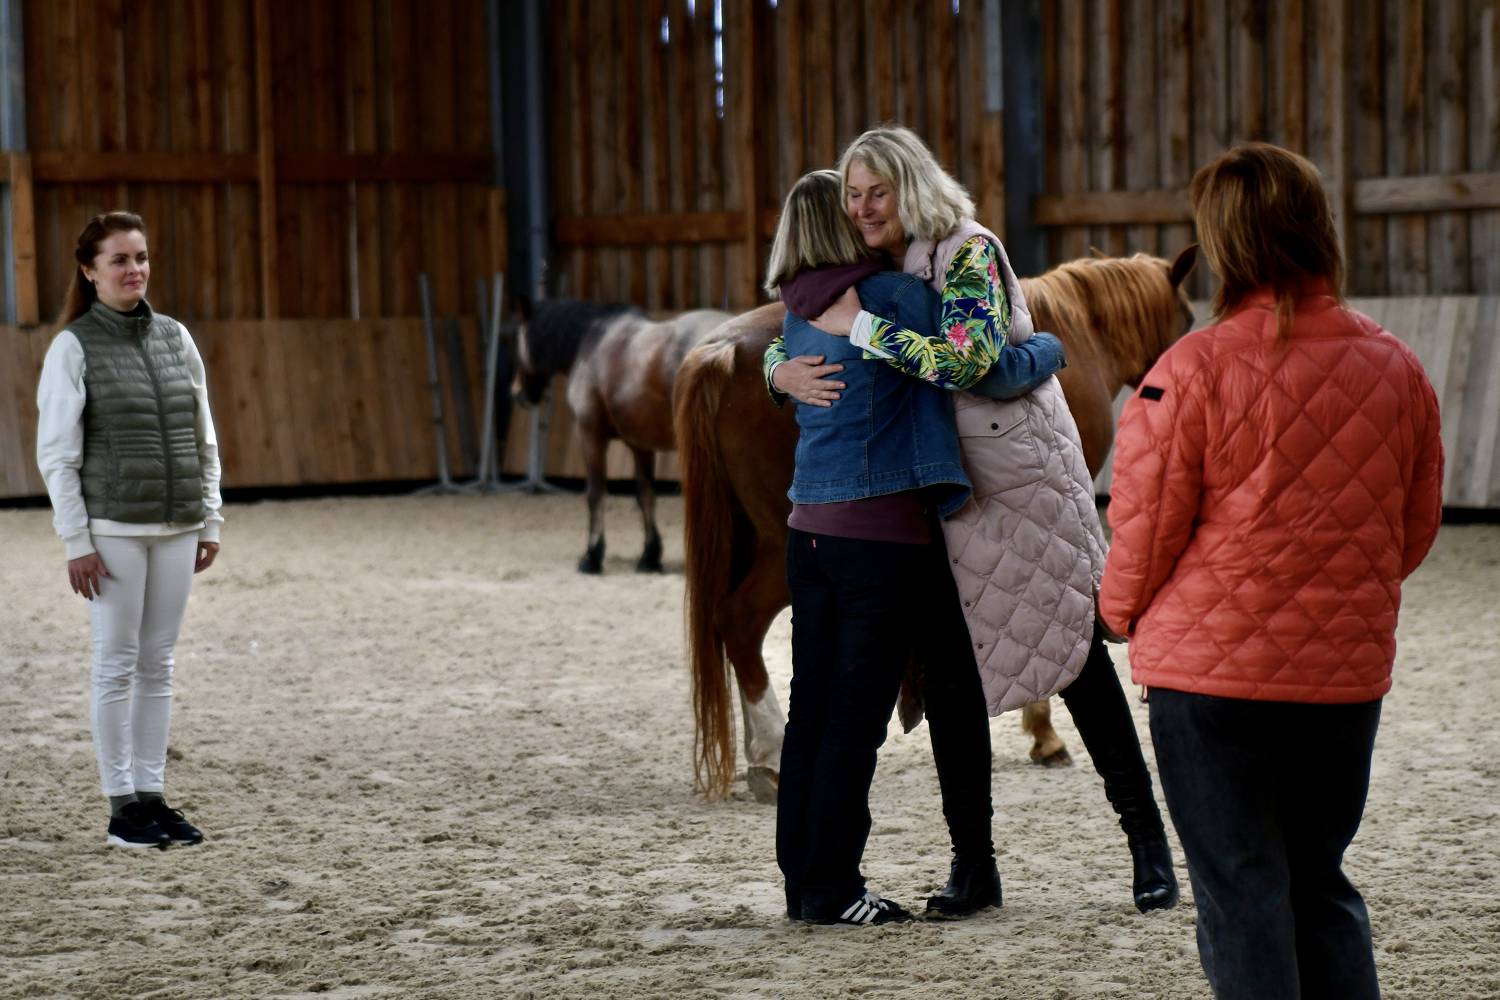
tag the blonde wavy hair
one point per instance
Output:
(929, 201)
(813, 229)
(1264, 221)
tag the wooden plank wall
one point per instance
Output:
(301, 160)
(667, 179)
(324, 401)
(1455, 336)
(1402, 95)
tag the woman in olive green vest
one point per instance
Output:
(127, 448)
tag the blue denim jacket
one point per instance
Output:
(888, 432)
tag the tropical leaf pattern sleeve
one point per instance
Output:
(975, 324)
(775, 355)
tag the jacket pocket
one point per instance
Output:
(998, 444)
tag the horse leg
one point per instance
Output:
(645, 495)
(744, 619)
(1047, 748)
(593, 457)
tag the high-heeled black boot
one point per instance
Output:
(1097, 704)
(1154, 883)
(972, 886)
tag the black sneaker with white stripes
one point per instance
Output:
(869, 909)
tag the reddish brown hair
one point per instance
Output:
(1265, 222)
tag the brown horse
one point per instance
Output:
(1115, 317)
(620, 367)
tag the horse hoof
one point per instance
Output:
(763, 783)
(648, 565)
(591, 566)
(1057, 758)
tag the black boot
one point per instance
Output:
(972, 886)
(1097, 704)
(1154, 883)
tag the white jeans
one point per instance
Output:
(135, 620)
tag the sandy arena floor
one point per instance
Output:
(434, 761)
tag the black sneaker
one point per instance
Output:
(173, 823)
(869, 909)
(135, 827)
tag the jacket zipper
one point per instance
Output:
(161, 420)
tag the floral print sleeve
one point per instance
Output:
(975, 324)
(775, 354)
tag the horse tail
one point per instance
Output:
(708, 514)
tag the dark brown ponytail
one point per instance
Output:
(81, 294)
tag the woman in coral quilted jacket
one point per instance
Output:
(1038, 566)
(1277, 476)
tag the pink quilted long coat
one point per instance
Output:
(1269, 498)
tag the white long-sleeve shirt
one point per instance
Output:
(60, 398)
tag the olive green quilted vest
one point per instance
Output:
(140, 441)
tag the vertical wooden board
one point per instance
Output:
(1142, 124)
(1285, 73)
(942, 100)
(364, 137)
(658, 189)
(684, 149)
(817, 81)
(1484, 142)
(711, 159)
(22, 239)
(633, 31)
(911, 50)
(1210, 99)
(791, 98)
(1175, 111)
(1052, 96)
(598, 148)
(1406, 122)
(39, 28)
(89, 70)
(374, 437)
(17, 393)
(1246, 70)
(1106, 134)
(1480, 484)
(66, 87)
(1454, 324)
(990, 189)
(1447, 142)
(1073, 116)
(246, 356)
(882, 44)
(238, 223)
(1369, 272)
(847, 92)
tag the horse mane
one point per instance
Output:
(559, 328)
(1128, 301)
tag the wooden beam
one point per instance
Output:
(266, 162)
(55, 167)
(341, 168)
(1430, 193)
(660, 229)
(1372, 196)
(1338, 65)
(23, 239)
(1113, 207)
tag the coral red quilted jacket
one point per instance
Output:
(1269, 498)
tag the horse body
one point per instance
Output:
(1114, 317)
(621, 368)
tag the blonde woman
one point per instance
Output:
(1027, 553)
(873, 471)
(126, 446)
(1279, 475)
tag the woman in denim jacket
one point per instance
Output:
(873, 470)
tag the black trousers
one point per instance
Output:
(1265, 831)
(958, 723)
(851, 625)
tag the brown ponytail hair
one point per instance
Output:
(81, 294)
